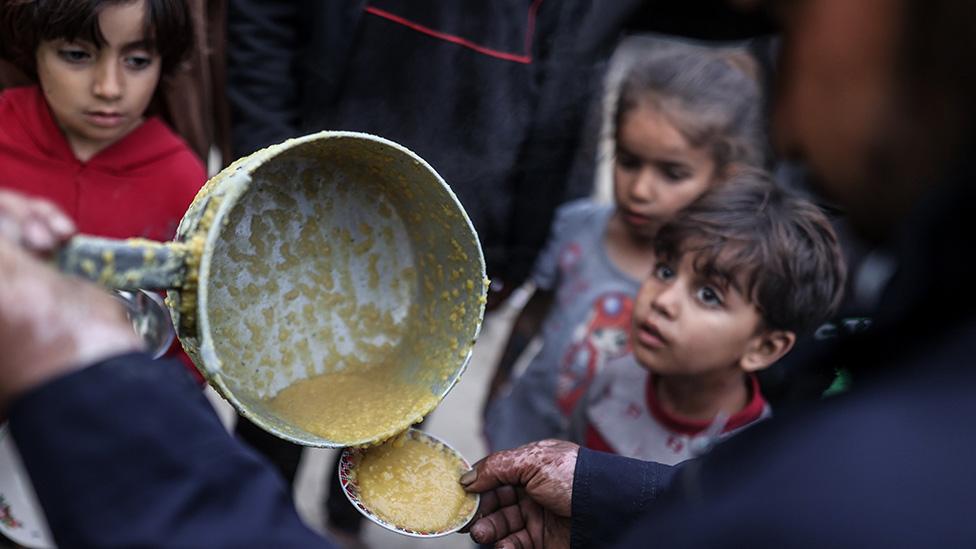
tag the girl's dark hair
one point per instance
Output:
(24, 24)
(781, 246)
(711, 96)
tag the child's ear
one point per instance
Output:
(766, 348)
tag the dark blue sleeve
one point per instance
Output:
(129, 453)
(610, 492)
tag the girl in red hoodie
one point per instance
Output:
(81, 137)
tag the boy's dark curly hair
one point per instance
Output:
(779, 247)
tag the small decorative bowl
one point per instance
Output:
(349, 461)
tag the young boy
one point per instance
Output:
(738, 275)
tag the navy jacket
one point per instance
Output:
(129, 453)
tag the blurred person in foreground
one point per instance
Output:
(877, 95)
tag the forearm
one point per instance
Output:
(610, 492)
(129, 453)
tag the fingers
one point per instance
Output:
(521, 525)
(492, 501)
(533, 516)
(518, 540)
(498, 469)
(503, 523)
(498, 498)
(51, 324)
(34, 224)
(59, 225)
(498, 515)
(9, 229)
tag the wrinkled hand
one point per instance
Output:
(50, 324)
(526, 495)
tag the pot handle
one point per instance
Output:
(129, 264)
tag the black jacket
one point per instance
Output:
(492, 94)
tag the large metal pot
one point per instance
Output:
(319, 253)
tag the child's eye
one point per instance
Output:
(675, 172)
(138, 62)
(663, 272)
(628, 161)
(709, 296)
(74, 55)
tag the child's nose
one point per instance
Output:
(643, 189)
(108, 81)
(667, 302)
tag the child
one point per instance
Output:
(685, 117)
(737, 276)
(80, 138)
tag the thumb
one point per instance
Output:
(507, 467)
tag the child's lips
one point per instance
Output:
(649, 336)
(105, 119)
(635, 219)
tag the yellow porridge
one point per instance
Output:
(350, 406)
(414, 484)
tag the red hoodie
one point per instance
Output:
(139, 186)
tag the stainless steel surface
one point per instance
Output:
(398, 276)
(150, 319)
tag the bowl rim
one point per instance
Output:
(349, 460)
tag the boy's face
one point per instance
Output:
(656, 172)
(687, 324)
(98, 95)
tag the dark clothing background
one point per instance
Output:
(503, 133)
(296, 67)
